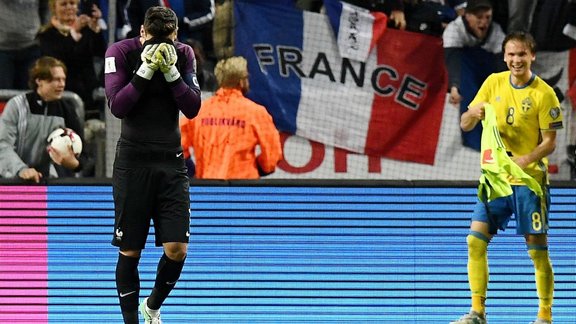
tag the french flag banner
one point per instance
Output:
(357, 30)
(389, 105)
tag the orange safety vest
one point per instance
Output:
(225, 134)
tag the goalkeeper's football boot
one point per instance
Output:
(148, 318)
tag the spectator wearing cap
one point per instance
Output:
(431, 16)
(472, 51)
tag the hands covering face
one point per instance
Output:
(166, 57)
(148, 54)
(161, 57)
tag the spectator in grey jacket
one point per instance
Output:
(29, 118)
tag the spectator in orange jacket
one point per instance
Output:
(229, 128)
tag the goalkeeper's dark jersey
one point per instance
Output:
(149, 109)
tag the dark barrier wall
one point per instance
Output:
(279, 252)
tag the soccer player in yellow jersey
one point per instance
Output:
(528, 115)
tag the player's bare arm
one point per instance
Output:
(472, 117)
(545, 148)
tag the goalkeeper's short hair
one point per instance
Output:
(160, 21)
(229, 72)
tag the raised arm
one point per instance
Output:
(186, 90)
(472, 117)
(122, 94)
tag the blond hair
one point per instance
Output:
(49, 24)
(52, 5)
(229, 72)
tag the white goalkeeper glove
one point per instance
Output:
(149, 64)
(166, 61)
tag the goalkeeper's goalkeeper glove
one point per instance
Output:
(149, 64)
(167, 62)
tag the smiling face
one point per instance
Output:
(64, 10)
(52, 89)
(479, 22)
(519, 57)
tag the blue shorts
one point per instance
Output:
(530, 211)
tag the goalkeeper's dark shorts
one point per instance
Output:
(150, 186)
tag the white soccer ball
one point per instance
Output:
(63, 138)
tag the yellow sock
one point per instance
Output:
(478, 270)
(544, 276)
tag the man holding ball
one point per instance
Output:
(29, 118)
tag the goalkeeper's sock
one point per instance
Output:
(166, 277)
(544, 276)
(128, 286)
(478, 270)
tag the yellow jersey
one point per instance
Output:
(522, 113)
